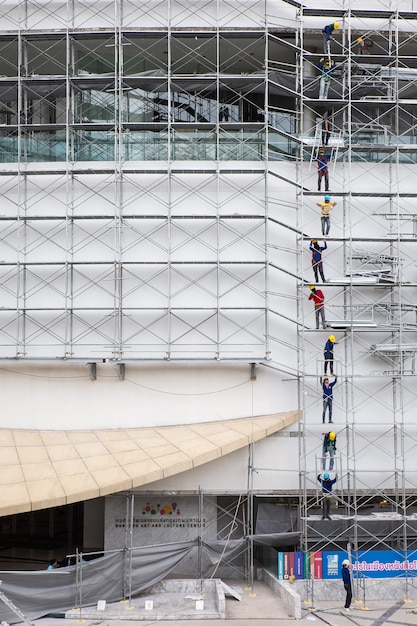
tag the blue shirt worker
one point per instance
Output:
(347, 583)
(327, 33)
(317, 259)
(327, 491)
(328, 354)
(328, 398)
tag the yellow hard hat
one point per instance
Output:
(336, 25)
(332, 436)
(359, 40)
(332, 338)
(314, 241)
(312, 287)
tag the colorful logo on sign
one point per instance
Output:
(158, 509)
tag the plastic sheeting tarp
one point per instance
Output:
(151, 564)
(40, 593)
(277, 540)
(37, 594)
(222, 549)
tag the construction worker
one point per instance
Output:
(326, 488)
(329, 446)
(316, 259)
(327, 33)
(347, 583)
(364, 45)
(318, 298)
(327, 387)
(326, 208)
(328, 353)
(325, 127)
(326, 66)
(322, 169)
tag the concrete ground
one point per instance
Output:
(259, 604)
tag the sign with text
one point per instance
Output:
(328, 565)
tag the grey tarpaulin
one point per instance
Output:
(217, 550)
(274, 526)
(276, 540)
(271, 519)
(38, 593)
(151, 564)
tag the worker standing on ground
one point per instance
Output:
(326, 208)
(328, 398)
(347, 583)
(326, 34)
(328, 353)
(326, 488)
(318, 298)
(329, 447)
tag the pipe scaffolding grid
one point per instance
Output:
(158, 168)
(369, 289)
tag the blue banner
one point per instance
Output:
(371, 564)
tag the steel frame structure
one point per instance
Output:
(115, 244)
(370, 302)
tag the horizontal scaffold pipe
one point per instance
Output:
(286, 317)
(362, 13)
(295, 230)
(289, 371)
(291, 182)
(283, 133)
(281, 269)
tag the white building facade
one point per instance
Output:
(159, 195)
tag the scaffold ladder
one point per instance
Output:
(14, 608)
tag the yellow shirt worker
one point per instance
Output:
(326, 208)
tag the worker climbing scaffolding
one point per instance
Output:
(329, 448)
(327, 32)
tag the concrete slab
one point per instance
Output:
(176, 599)
(259, 603)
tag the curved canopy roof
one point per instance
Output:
(42, 469)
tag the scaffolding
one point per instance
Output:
(158, 166)
(370, 279)
(116, 243)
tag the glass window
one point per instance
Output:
(145, 145)
(194, 101)
(241, 145)
(93, 145)
(194, 54)
(94, 55)
(46, 56)
(144, 53)
(38, 146)
(8, 56)
(194, 145)
(92, 106)
(146, 105)
(241, 54)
